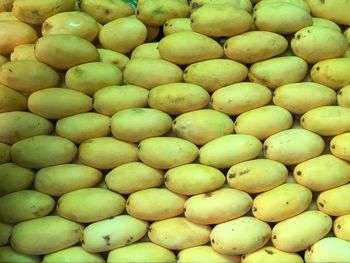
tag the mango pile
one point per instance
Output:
(163, 131)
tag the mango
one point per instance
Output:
(178, 233)
(60, 179)
(225, 151)
(298, 3)
(5, 234)
(338, 14)
(90, 77)
(203, 179)
(14, 178)
(204, 254)
(340, 146)
(239, 236)
(214, 74)
(272, 255)
(73, 254)
(240, 97)
(4, 153)
(177, 98)
(33, 152)
(293, 146)
(8, 254)
(217, 206)
(322, 22)
(23, 52)
(110, 100)
(113, 233)
(185, 48)
(341, 227)
(175, 25)
(115, 58)
(146, 50)
(106, 152)
(257, 175)
(45, 235)
(343, 96)
(332, 202)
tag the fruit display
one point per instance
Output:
(174, 131)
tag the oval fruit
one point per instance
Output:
(73, 254)
(340, 146)
(332, 202)
(11, 100)
(272, 255)
(14, 178)
(201, 254)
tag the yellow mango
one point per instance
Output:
(110, 100)
(275, 72)
(33, 152)
(90, 204)
(35, 11)
(332, 202)
(71, 255)
(333, 73)
(28, 76)
(281, 202)
(178, 233)
(240, 97)
(314, 44)
(281, 18)
(24, 205)
(156, 13)
(23, 52)
(166, 152)
(136, 124)
(7, 15)
(5, 234)
(298, 3)
(189, 47)
(45, 235)
(106, 152)
(228, 150)
(343, 96)
(217, 20)
(272, 255)
(57, 103)
(75, 22)
(20, 125)
(64, 51)
(14, 178)
(254, 46)
(14, 33)
(90, 77)
(141, 252)
(60, 179)
(131, 177)
(239, 236)
(151, 72)
(123, 34)
(177, 98)
(83, 126)
(203, 179)
(301, 231)
(218, 206)
(328, 249)
(202, 126)
(105, 11)
(327, 120)
(340, 146)
(292, 96)
(213, 74)
(175, 25)
(341, 227)
(8, 254)
(195, 4)
(204, 254)
(146, 50)
(322, 173)
(264, 121)
(257, 175)
(293, 146)
(322, 22)
(154, 204)
(115, 58)
(112, 233)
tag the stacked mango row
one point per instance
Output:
(208, 131)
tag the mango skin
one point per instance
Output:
(340, 146)
(272, 255)
(176, 25)
(5, 234)
(341, 227)
(205, 254)
(45, 235)
(72, 254)
(146, 50)
(23, 52)
(343, 96)
(332, 202)
(4, 153)
(14, 178)
(8, 254)
(185, 48)
(115, 58)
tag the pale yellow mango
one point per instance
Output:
(33, 152)
(131, 177)
(60, 179)
(227, 150)
(14, 178)
(240, 97)
(178, 233)
(203, 179)
(301, 231)
(213, 74)
(177, 98)
(146, 50)
(23, 52)
(204, 254)
(72, 255)
(343, 96)
(166, 152)
(115, 58)
(298, 3)
(110, 100)
(332, 202)
(257, 175)
(272, 255)
(338, 14)
(323, 22)
(239, 236)
(341, 227)
(340, 146)
(175, 25)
